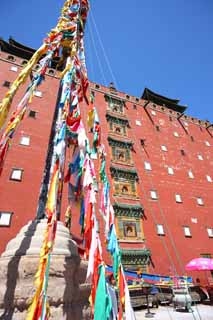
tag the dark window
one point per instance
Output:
(51, 72)
(182, 152)
(157, 128)
(137, 99)
(6, 84)
(24, 62)
(134, 107)
(11, 58)
(170, 118)
(192, 138)
(143, 142)
(32, 114)
(97, 86)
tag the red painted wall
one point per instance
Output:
(169, 252)
(21, 197)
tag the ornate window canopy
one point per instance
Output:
(119, 143)
(128, 210)
(114, 99)
(135, 257)
(122, 120)
(122, 173)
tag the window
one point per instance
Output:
(25, 141)
(6, 84)
(32, 114)
(209, 179)
(125, 188)
(24, 62)
(182, 152)
(187, 231)
(200, 157)
(190, 173)
(178, 198)
(200, 201)
(170, 118)
(11, 58)
(115, 105)
(210, 232)
(120, 154)
(153, 113)
(160, 230)
(37, 93)
(137, 122)
(170, 170)
(157, 128)
(134, 107)
(192, 138)
(194, 220)
(207, 143)
(16, 174)
(153, 194)
(176, 134)
(129, 229)
(37, 67)
(51, 72)
(164, 148)
(5, 218)
(147, 166)
(14, 69)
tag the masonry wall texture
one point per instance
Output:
(148, 127)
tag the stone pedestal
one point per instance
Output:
(67, 292)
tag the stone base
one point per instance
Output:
(67, 294)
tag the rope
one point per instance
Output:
(152, 212)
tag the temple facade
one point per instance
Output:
(159, 164)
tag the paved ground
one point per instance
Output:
(201, 312)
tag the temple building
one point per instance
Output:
(159, 163)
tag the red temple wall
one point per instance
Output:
(169, 252)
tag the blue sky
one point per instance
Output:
(163, 45)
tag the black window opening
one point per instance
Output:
(182, 152)
(32, 114)
(6, 84)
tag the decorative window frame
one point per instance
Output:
(128, 210)
(122, 225)
(114, 122)
(135, 257)
(121, 146)
(124, 178)
(115, 102)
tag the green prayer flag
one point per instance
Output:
(103, 303)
